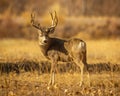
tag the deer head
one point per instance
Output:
(45, 31)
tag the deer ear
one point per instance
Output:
(39, 32)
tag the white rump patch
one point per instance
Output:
(81, 45)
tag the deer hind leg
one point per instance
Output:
(80, 64)
(87, 70)
(83, 67)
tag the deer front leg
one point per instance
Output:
(52, 77)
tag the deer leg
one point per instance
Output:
(81, 66)
(82, 70)
(88, 76)
(52, 77)
(84, 65)
(87, 70)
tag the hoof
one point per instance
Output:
(52, 87)
(50, 83)
(55, 86)
(80, 84)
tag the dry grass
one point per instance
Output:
(31, 84)
(97, 51)
(104, 83)
(103, 51)
(17, 50)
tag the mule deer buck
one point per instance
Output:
(56, 49)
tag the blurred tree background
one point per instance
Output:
(89, 19)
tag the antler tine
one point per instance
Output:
(54, 19)
(32, 18)
(33, 21)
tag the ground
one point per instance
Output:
(32, 84)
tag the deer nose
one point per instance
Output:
(45, 41)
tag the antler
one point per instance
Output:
(33, 21)
(54, 19)
(37, 25)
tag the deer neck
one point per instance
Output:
(44, 47)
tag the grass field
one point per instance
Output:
(97, 51)
(103, 54)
